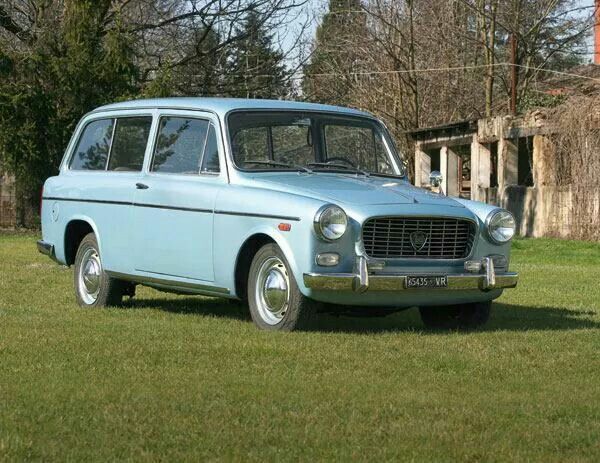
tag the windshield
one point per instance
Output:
(310, 141)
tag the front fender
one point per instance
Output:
(232, 232)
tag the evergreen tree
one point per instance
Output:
(68, 66)
(254, 68)
(201, 72)
(202, 75)
(334, 53)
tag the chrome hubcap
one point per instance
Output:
(90, 272)
(272, 290)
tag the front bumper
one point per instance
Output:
(362, 280)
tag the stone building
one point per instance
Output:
(506, 161)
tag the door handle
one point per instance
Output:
(141, 186)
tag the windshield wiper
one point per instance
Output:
(339, 166)
(282, 164)
(383, 174)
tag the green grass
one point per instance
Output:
(185, 378)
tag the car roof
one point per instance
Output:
(222, 106)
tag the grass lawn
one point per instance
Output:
(186, 378)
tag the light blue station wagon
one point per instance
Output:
(292, 207)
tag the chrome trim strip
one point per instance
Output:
(174, 208)
(252, 214)
(397, 282)
(170, 284)
(110, 148)
(77, 200)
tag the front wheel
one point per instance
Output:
(456, 317)
(93, 286)
(275, 301)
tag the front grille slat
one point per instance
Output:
(447, 238)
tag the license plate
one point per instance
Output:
(427, 282)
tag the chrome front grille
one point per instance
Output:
(418, 237)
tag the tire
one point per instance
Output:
(93, 286)
(283, 307)
(456, 317)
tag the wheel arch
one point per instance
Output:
(248, 250)
(75, 230)
(244, 259)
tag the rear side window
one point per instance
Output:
(180, 146)
(92, 150)
(129, 144)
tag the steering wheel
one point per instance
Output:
(337, 158)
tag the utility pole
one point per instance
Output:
(513, 73)
(597, 32)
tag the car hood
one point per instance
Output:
(353, 189)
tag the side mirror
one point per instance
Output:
(436, 179)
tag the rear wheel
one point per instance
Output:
(275, 301)
(456, 317)
(93, 286)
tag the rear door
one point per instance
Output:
(175, 198)
(100, 177)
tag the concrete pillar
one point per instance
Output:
(422, 166)
(444, 169)
(544, 165)
(452, 179)
(481, 165)
(449, 170)
(508, 162)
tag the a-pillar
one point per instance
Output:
(422, 166)
(449, 171)
(481, 164)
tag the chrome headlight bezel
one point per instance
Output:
(492, 225)
(322, 222)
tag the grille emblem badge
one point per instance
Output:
(418, 239)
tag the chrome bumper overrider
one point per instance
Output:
(362, 280)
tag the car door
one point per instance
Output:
(174, 200)
(100, 177)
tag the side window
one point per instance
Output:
(92, 149)
(129, 143)
(179, 145)
(210, 160)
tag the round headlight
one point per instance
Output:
(330, 222)
(501, 226)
